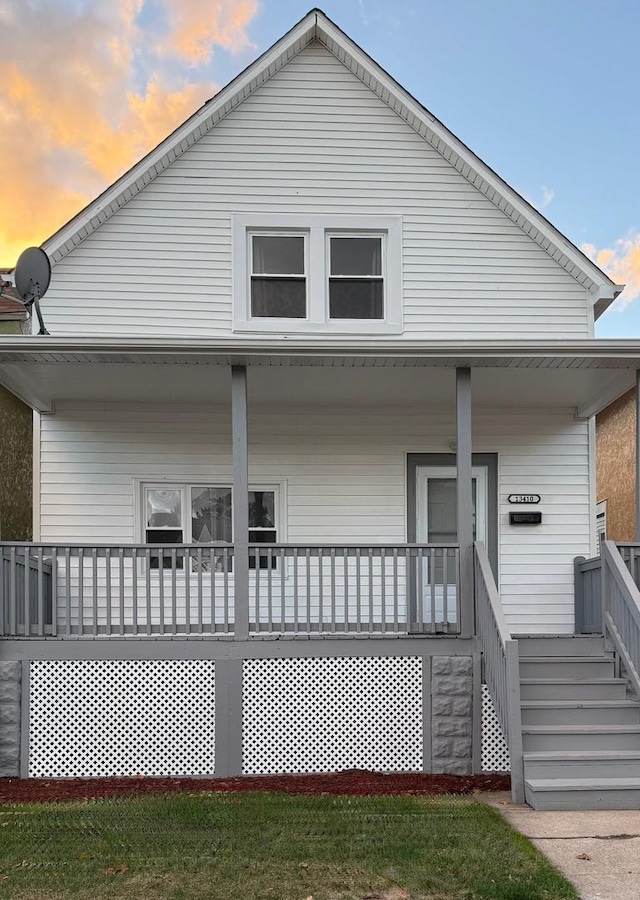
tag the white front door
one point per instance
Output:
(436, 514)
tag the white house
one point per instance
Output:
(278, 344)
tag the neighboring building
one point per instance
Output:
(16, 441)
(616, 467)
(312, 444)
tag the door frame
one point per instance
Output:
(435, 460)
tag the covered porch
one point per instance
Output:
(378, 573)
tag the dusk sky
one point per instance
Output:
(544, 91)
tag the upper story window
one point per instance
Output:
(356, 280)
(319, 275)
(278, 276)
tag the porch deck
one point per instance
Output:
(191, 590)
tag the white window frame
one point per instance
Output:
(271, 232)
(278, 488)
(340, 233)
(317, 230)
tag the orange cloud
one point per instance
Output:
(622, 263)
(90, 98)
(197, 26)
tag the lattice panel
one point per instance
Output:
(102, 718)
(319, 715)
(495, 753)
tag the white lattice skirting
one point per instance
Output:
(321, 715)
(121, 718)
(495, 753)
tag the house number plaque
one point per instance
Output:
(524, 498)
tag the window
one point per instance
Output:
(317, 274)
(356, 284)
(278, 282)
(202, 514)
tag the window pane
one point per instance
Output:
(355, 299)
(164, 508)
(442, 511)
(278, 255)
(164, 536)
(210, 515)
(261, 509)
(356, 256)
(282, 298)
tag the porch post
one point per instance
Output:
(464, 498)
(637, 454)
(239, 444)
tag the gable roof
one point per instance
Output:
(316, 26)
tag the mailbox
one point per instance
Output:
(533, 517)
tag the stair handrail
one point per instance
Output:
(621, 611)
(501, 664)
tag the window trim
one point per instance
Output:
(317, 228)
(277, 486)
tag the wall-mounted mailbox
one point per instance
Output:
(525, 518)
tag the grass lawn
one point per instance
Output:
(251, 846)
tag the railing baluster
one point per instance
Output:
(107, 567)
(308, 566)
(121, 592)
(40, 593)
(445, 586)
(54, 591)
(147, 566)
(134, 588)
(27, 593)
(383, 595)
(295, 590)
(13, 594)
(283, 608)
(94, 591)
(433, 583)
(161, 587)
(396, 614)
(358, 590)
(67, 563)
(187, 590)
(320, 590)
(199, 588)
(420, 578)
(345, 568)
(333, 588)
(269, 589)
(371, 603)
(80, 590)
(174, 591)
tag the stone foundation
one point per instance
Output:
(451, 714)
(10, 684)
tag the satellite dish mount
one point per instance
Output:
(33, 274)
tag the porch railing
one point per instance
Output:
(587, 580)
(621, 605)
(64, 590)
(501, 664)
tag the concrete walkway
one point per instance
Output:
(597, 850)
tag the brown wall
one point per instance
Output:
(616, 466)
(16, 449)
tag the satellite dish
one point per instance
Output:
(32, 276)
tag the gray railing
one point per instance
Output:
(501, 664)
(116, 590)
(621, 607)
(142, 590)
(398, 588)
(587, 585)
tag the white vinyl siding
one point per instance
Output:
(313, 140)
(343, 476)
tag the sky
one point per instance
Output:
(544, 91)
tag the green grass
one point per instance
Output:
(271, 846)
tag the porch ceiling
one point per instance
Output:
(585, 375)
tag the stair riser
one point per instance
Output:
(604, 715)
(601, 799)
(600, 741)
(595, 768)
(564, 646)
(579, 668)
(579, 690)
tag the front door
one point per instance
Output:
(435, 595)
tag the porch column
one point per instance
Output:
(464, 499)
(638, 455)
(239, 445)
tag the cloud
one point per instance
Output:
(621, 263)
(547, 196)
(92, 95)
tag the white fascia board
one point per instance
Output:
(21, 386)
(613, 388)
(17, 347)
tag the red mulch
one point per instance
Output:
(354, 782)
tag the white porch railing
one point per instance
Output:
(501, 664)
(66, 590)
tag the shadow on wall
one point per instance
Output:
(16, 449)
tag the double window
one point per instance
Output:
(203, 514)
(323, 276)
